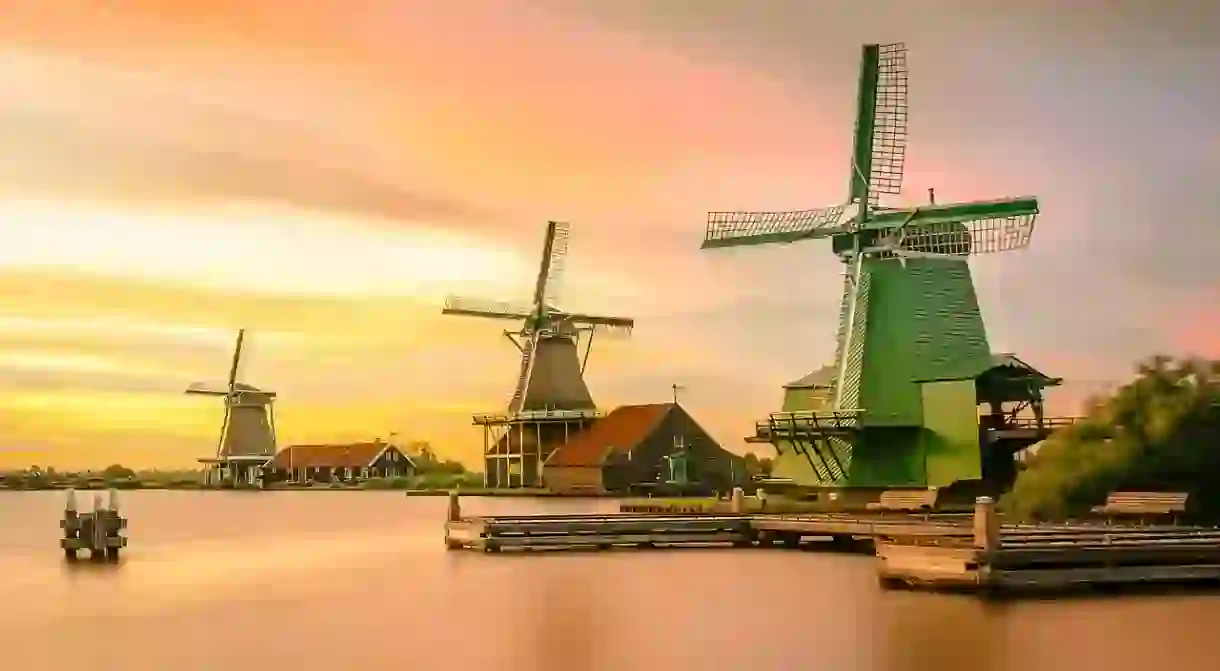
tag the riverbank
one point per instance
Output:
(364, 486)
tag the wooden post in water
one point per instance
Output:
(986, 525)
(737, 504)
(455, 507)
(98, 541)
(70, 524)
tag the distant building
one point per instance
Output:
(327, 463)
(638, 448)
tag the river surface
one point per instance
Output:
(229, 581)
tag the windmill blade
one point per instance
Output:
(611, 331)
(959, 229)
(879, 147)
(599, 322)
(241, 335)
(738, 229)
(554, 248)
(204, 389)
(474, 307)
(559, 252)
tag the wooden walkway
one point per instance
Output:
(970, 551)
(570, 532)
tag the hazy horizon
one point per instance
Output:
(323, 173)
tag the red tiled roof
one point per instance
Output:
(353, 455)
(619, 431)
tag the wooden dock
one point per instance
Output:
(571, 532)
(1010, 558)
(731, 525)
(970, 551)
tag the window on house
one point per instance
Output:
(364, 472)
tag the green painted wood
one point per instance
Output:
(953, 212)
(951, 437)
(866, 108)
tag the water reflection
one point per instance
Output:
(361, 581)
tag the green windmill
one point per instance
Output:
(899, 406)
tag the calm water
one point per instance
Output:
(360, 580)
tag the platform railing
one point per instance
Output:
(537, 416)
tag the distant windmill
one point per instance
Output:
(247, 433)
(551, 400)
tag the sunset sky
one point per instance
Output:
(323, 172)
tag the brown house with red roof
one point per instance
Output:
(328, 463)
(639, 448)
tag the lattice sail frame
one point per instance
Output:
(889, 123)
(486, 308)
(981, 236)
(775, 226)
(557, 246)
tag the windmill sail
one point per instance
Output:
(550, 373)
(729, 229)
(557, 251)
(879, 147)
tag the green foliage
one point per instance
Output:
(1159, 432)
(757, 466)
(426, 461)
(118, 472)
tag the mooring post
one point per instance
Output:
(114, 502)
(71, 526)
(455, 507)
(737, 504)
(986, 525)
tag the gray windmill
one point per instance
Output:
(551, 401)
(247, 433)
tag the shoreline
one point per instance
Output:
(463, 491)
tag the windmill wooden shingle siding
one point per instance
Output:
(352, 461)
(911, 339)
(635, 448)
(550, 402)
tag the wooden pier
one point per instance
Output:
(971, 551)
(99, 531)
(731, 525)
(992, 557)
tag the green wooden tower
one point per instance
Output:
(899, 406)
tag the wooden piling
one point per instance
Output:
(737, 504)
(986, 525)
(98, 531)
(70, 524)
(455, 507)
(453, 518)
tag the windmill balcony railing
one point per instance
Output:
(1046, 422)
(537, 416)
(806, 421)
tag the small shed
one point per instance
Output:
(642, 448)
(351, 461)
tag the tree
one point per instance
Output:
(1161, 431)
(118, 472)
(426, 460)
